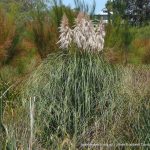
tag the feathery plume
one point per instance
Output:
(78, 34)
(65, 37)
(82, 31)
(84, 35)
(100, 35)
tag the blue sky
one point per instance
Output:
(100, 4)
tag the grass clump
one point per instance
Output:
(70, 90)
(80, 98)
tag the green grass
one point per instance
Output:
(80, 98)
(138, 39)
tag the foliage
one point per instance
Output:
(81, 6)
(82, 99)
(135, 11)
(7, 95)
(67, 94)
(45, 27)
(131, 43)
(79, 96)
(140, 45)
(6, 35)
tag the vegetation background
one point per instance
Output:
(79, 97)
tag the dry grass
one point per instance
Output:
(6, 35)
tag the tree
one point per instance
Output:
(137, 12)
(109, 6)
(119, 7)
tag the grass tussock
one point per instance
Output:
(82, 99)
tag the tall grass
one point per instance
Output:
(132, 41)
(82, 99)
(141, 45)
(6, 97)
(10, 33)
(6, 35)
(68, 89)
(44, 27)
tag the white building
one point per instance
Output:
(103, 14)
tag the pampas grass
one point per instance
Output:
(66, 33)
(70, 92)
(84, 35)
(81, 99)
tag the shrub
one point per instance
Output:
(141, 44)
(45, 36)
(132, 43)
(6, 35)
(44, 27)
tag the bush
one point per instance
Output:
(141, 44)
(135, 43)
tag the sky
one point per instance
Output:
(100, 4)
